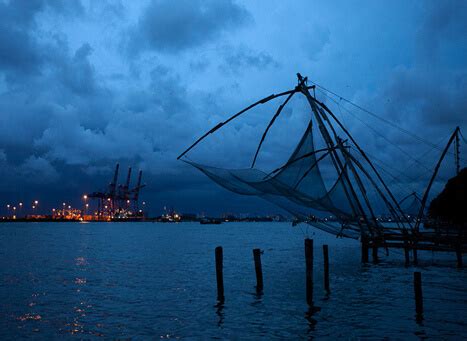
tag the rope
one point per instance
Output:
(422, 156)
(392, 124)
(379, 134)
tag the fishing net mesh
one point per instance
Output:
(297, 187)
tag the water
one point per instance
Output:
(147, 280)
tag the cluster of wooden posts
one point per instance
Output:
(309, 274)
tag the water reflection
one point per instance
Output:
(309, 317)
(220, 313)
(419, 318)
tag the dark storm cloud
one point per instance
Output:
(431, 91)
(73, 103)
(20, 51)
(173, 27)
(78, 73)
(443, 23)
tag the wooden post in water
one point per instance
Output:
(375, 252)
(326, 267)
(415, 255)
(406, 253)
(417, 284)
(364, 250)
(219, 274)
(258, 270)
(309, 271)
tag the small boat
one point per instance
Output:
(210, 221)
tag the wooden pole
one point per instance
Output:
(415, 255)
(326, 267)
(364, 250)
(417, 283)
(375, 252)
(258, 270)
(406, 253)
(219, 274)
(309, 271)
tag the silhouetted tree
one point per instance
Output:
(450, 205)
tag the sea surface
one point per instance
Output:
(158, 281)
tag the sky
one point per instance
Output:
(88, 84)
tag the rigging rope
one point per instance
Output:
(392, 124)
(379, 134)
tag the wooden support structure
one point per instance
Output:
(375, 252)
(406, 253)
(309, 271)
(435, 241)
(219, 274)
(326, 267)
(415, 254)
(364, 250)
(258, 270)
(417, 284)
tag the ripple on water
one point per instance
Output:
(158, 281)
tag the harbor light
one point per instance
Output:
(85, 197)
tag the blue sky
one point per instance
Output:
(86, 84)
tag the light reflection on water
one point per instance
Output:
(158, 280)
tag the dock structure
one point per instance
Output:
(435, 241)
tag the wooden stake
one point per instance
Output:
(309, 271)
(375, 252)
(417, 284)
(326, 267)
(415, 255)
(219, 274)
(406, 253)
(258, 270)
(364, 250)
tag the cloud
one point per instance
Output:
(72, 104)
(78, 73)
(38, 170)
(314, 40)
(21, 52)
(244, 59)
(443, 26)
(174, 27)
